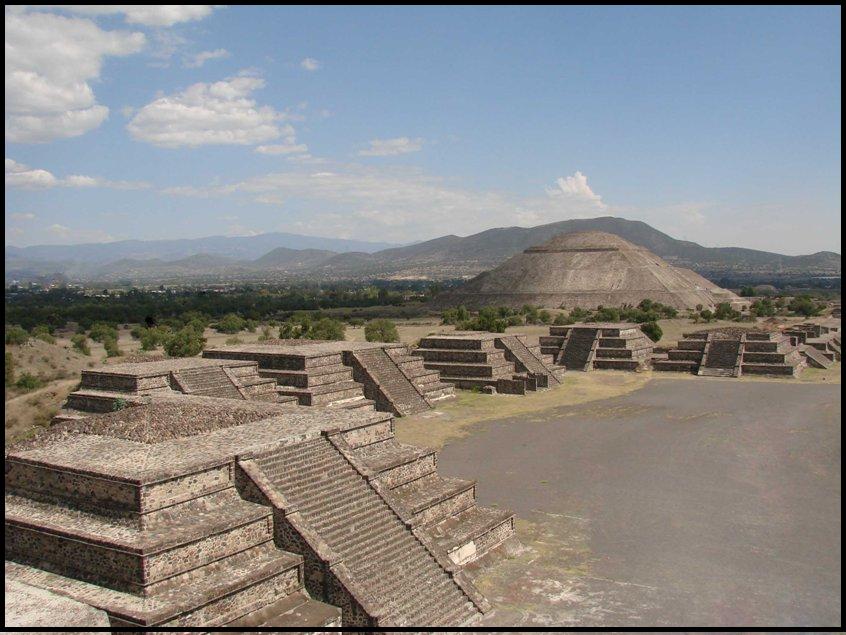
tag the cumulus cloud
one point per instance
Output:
(575, 186)
(288, 146)
(160, 15)
(208, 114)
(310, 64)
(50, 61)
(22, 176)
(392, 147)
(196, 61)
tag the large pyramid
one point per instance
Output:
(586, 270)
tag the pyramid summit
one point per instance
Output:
(586, 270)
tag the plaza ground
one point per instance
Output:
(675, 501)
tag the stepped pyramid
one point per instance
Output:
(202, 511)
(586, 270)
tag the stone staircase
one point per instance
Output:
(428, 382)
(577, 350)
(360, 554)
(206, 560)
(528, 360)
(210, 381)
(722, 358)
(385, 383)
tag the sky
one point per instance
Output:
(717, 125)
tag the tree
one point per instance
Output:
(230, 323)
(805, 305)
(10, 369)
(706, 315)
(381, 330)
(747, 292)
(186, 342)
(327, 329)
(652, 330)
(102, 331)
(112, 348)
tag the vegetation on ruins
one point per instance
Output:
(381, 330)
(652, 330)
(80, 343)
(42, 332)
(303, 326)
(15, 335)
(10, 369)
(186, 342)
(28, 381)
(806, 306)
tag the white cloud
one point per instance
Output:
(395, 203)
(67, 235)
(196, 61)
(22, 176)
(290, 145)
(310, 64)
(208, 114)
(574, 187)
(50, 61)
(392, 147)
(146, 15)
(22, 217)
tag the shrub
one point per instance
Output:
(119, 404)
(562, 320)
(747, 292)
(607, 314)
(706, 315)
(355, 322)
(15, 335)
(230, 341)
(230, 323)
(112, 348)
(265, 334)
(725, 312)
(381, 330)
(545, 317)
(27, 381)
(102, 331)
(763, 308)
(152, 338)
(10, 369)
(652, 330)
(186, 342)
(579, 315)
(456, 315)
(80, 343)
(327, 329)
(42, 332)
(805, 305)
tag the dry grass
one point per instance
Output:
(454, 419)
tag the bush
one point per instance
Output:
(545, 317)
(10, 369)
(607, 314)
(15, 335)
(354, 322)
(186, 342)
(455, 316)
(112, 348)
(747, 292)
(579, 315)
(265, 334)
(231, 341)
(42, 332)
(805, 305)
(381, 330)
(652, 330)
(28, 381)
(152, 338)
(102, 331)
(327, 329)
(562, 320)
(706, 315)
(763, 308)
(725, 312)
(231, 323)
(80, 343)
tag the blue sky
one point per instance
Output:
(718, 125)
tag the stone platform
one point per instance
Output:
(732, 353)
(474, 360)
(116, 386)
(598, 345)
(205, 512)
(344, 374)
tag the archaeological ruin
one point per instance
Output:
(599, 345)
(189, 510)
(485, 361)
(587, 270)
(732, 352)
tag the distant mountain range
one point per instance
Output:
(281, 256)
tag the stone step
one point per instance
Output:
(296, 610)
(323, 395)
(453, 369)
(678, 366)
(309, 378)
(357, 403)
(472, 533)
(488, 356)
(433, 497)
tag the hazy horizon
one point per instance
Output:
(717, 125)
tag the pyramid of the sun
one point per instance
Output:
(586, 270)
